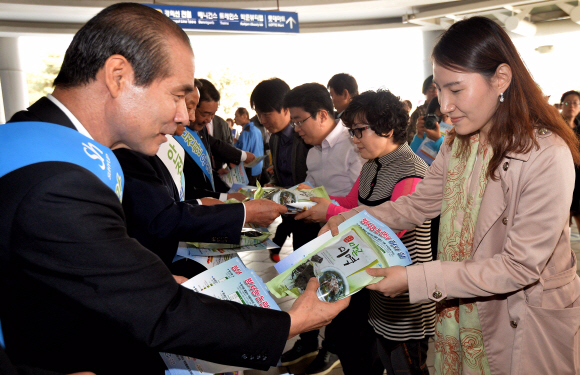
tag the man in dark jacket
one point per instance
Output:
(77, 293)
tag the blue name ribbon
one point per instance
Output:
(44, 142)
(193, 145)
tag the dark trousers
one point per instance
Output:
(414, 353)
(301, 231)
(351, 337)
(252, 179)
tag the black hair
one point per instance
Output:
(208, 92)
(382, 110)
(427, 83)
(480, 45)
(242, 111)
(269, 95)
(571, 92)
(311, 97)
(433, 105)
(137, 32)
(343, 81)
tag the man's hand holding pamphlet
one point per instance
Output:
(296, 199)
(234, 282)
(231, 281)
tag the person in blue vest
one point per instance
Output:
(76, 292)
(250, 140)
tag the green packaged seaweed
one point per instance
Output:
(339, 265)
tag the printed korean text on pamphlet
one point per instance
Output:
(236, 175)
(340, 262)
(231, 281)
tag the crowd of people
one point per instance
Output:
(478, 183)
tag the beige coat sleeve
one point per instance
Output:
(535, 229)
(535, 233)
(413, 209)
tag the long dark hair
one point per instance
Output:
(479, 45)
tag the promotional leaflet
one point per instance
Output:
(230, 281)
(255, 162)
(296, 200)
(250, 236)
(236, 175)
(188, 250)
(211, 260)
(218, 274)
(340, 262)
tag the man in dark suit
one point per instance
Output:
(195, 178)
(201, 108)
(221, 130)
(216, 126)
(77, 293)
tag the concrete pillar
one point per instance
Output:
(430, 38)
(12, 77)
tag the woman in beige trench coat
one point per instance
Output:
(505, 282)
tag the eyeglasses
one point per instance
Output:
(571, 103)
(295, 124)
(358, 132)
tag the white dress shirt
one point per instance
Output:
(334, 164)
(80, 128)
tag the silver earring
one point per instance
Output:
(501, 97)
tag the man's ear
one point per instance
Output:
(323, 115)
(502, 77)
(118, 74)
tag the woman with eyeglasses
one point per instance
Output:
(505, 280)
(377, 122)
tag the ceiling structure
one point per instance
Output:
(34, 17)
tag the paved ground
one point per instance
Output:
(264, 267)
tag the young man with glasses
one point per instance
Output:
(333, 163)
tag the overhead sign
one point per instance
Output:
(222, 19)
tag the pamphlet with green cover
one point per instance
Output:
(340, 262)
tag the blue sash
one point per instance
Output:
(26, 143)
(193, 145)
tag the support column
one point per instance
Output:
(430, 38)
(12, 77)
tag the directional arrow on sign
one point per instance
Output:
(291, 21)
